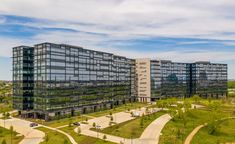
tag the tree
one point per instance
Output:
(111, 118)
(46, 138)
(215, 105)
(160, 104)
(110, 113)
(70, 124)
(79, 131)
(196, 98)
(78, 113)
(94, 124)
(66, 141)
(11, 130)
(4, 141)
(142, 122)
(187, 105)
(104, 137)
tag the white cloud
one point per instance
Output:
(181, 18)
(125, 20)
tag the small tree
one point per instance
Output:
(4, 141)
(7, 115)
(70, 124)
(111, 118)
(46, 138)
(142, 122)
(86, 119)
(104, 137)
(66, 141)
(94, 124)
(79, 131)
(78, 113)
(110, 113)
(196, 98)
(11, 130)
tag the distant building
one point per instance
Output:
(158, 79)
(55, 80)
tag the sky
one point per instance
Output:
(177, 30)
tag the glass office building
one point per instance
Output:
(172, 79)
(68, 79)
(208, 79)
(168, 79)
(23, 78)
(56, 80)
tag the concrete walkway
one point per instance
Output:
(60, 131)
(31, 136)
(150, 135)
(192, 134)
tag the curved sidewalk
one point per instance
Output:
(31, 136)
(150, 135)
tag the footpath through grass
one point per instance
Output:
(226, 134)
(132, 128)
(82, 139)
(5, 134)
(178, 129)
(53, 137)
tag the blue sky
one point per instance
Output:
(182, 30)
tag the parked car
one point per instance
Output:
(76, 123)
(33, 124)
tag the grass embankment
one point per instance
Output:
(53, 137)
(224, 135)
(132, 128)
(82, 139)
(6, 135)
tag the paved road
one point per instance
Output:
(31, 136)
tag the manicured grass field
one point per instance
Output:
(132, 128)
(120, 108)
(225, 134)
(53, 137)
(177, 130)
(5, 134)
(66, 121)
(82, 139)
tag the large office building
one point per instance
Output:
(53, 80)
(157, 79)
(56, 80)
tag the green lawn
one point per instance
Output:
(54, 137)
(5, 134)
(177, 130)
(225, 134)
(82, 139)
(231, 84)
(132, 128)
(66, 121)
(5, 107)
(120, 108)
